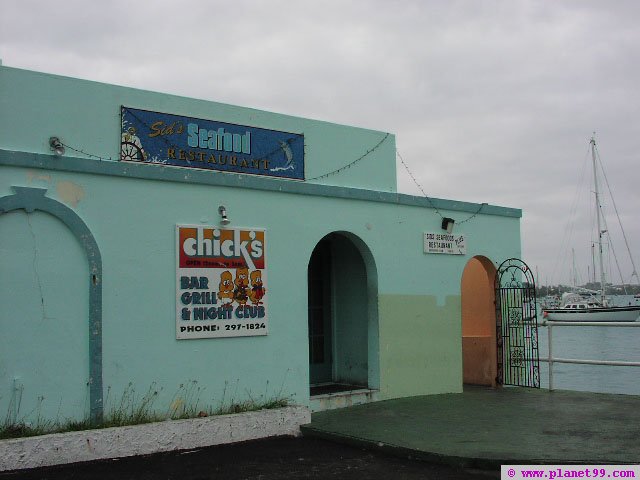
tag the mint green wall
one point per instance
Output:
(132, 211)
(133, 222)
(83, 114)
(44, 298)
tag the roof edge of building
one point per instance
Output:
(237, 180)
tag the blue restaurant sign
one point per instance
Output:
(166, 139)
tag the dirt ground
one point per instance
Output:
(269, 459)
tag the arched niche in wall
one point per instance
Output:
(34, 199)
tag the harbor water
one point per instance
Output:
(592, 343)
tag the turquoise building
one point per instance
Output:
(212, 253)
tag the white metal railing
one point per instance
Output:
(551, 360)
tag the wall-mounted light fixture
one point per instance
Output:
(222, 210)
(56, 145)
(447, 224)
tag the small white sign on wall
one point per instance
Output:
(446, 243)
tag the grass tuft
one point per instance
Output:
(132, 409)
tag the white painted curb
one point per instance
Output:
(60, 448)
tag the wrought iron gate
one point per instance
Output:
(516, 323)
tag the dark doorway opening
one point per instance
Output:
(320, 325)
(338, 317)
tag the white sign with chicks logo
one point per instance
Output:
(221, 282)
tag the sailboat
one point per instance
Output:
(578, 308)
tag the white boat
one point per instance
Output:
(591, 312)
(593, 309)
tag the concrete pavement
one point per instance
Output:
(484, 428)
(279, 458)
(472, 433)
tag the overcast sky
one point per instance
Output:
(490, 101)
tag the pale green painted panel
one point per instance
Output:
(420, 345)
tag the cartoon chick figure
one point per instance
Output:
(242, 285)
(257, 288)
(225, 288)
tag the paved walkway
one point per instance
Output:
(484, 428)
(280, 458)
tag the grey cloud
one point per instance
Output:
(490, 101)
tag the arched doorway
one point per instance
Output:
(342, 315)
(479, 355)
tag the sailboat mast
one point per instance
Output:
(599, 220)
(593, 263)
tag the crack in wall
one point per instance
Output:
(35, 267)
